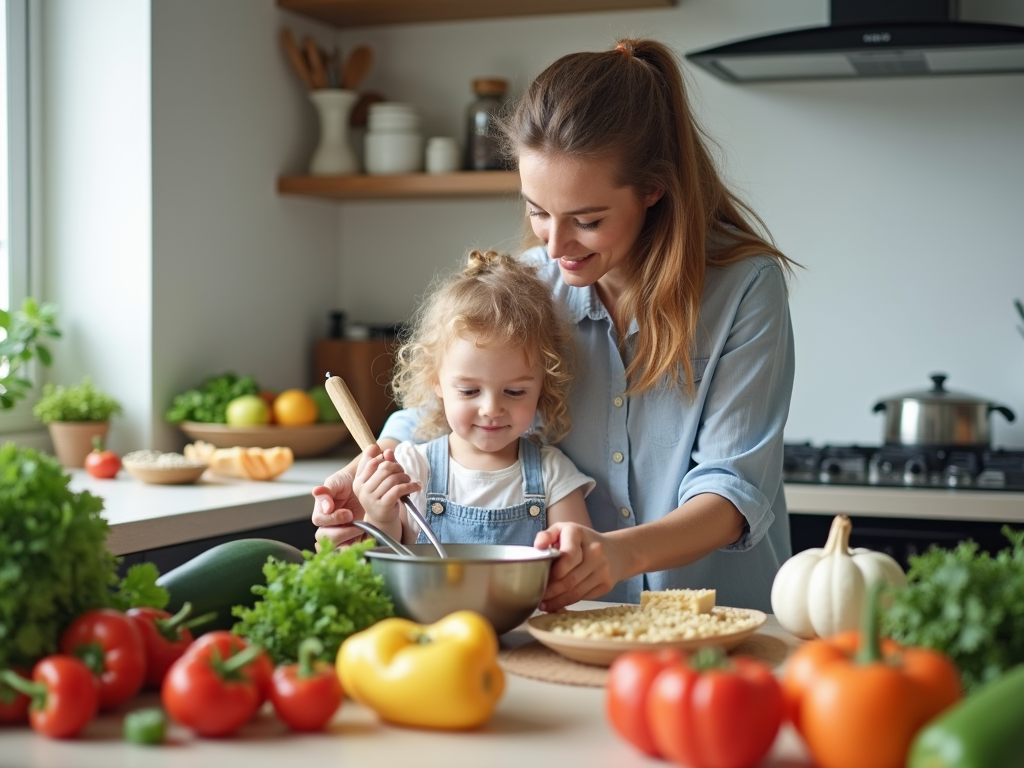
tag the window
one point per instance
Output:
(15, 162)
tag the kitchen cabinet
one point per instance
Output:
(361, 13)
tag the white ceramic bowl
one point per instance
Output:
(391, 153)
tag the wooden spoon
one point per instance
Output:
(316, 63)
(291, 48)
(357, 67)
(346, 404)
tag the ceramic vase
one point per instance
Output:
(334, 154)
(72, 440)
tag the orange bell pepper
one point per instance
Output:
(858, 700)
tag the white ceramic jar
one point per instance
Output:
(393, 142)
(443, 155)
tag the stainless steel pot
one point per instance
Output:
(504, 583)
(938, 417)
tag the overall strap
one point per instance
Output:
(533, 479)
(437, 460)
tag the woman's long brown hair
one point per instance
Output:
(629, 104)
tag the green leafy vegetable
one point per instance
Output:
(330, 596)
(54, 564)
(79, 402)
(209, 402)
(21, 341)
(139, 589)
(967, 604)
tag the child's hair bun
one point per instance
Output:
(485, 261)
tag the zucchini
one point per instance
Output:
(982, 731)
(222, 577)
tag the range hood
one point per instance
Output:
(873, 38)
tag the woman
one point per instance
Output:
(686, 349)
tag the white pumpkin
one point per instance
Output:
(821, 591)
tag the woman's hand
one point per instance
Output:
(334, 508)
(379, 483)
(590, 565)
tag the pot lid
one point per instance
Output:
(938, 394)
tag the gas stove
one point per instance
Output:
(905, 466)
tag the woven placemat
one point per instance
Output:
(539, 662)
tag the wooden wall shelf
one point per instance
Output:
(411, 185)
(362, 13)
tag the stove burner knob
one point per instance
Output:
(913, 472)
(830, 469)
(885, 467)
(956, 477)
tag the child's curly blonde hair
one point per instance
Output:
(502, 302)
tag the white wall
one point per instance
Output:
(901, 198)
(173, 257)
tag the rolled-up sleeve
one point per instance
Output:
(745, 394)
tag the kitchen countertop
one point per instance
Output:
(145, 516)
(536, 723)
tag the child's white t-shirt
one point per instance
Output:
(492, 489)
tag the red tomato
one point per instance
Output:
(110, 644)
(722, 717)
(306, 703)
(100, 463)
(14, 704)
(261, 668)
(165, 641)
(629, 679)
(212, 689)
(68, 697)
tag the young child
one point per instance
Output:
(489, 356)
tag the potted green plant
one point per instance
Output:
(23, 331)
(75, 415)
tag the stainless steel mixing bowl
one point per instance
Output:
(505, 584)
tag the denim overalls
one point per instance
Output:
(456, 524)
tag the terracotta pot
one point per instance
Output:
(72, 440)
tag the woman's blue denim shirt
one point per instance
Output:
(652, 452)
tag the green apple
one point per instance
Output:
(247, 411)
(328, 413)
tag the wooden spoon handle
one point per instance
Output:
(350, 413)
(316, 63)
(291, 48)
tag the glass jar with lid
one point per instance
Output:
(483, 144)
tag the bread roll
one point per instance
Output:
(246, 463)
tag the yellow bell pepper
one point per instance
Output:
(441, 675)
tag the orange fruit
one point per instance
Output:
(295, 408)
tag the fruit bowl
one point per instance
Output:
(305, 441)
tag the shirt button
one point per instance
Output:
(625, 512)
(437, 507)
(618, 401)
(534, 510)
(617, 457)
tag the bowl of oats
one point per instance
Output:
(161, 468)
(682, 619)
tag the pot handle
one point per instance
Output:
(878, 407)
(1003, 410)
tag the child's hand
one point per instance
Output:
(379, 483)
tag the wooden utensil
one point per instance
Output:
(316, 63)
(363, 435)
(357, 67)
(291, 48)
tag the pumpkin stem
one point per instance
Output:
(870, 647)
(839, 536)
